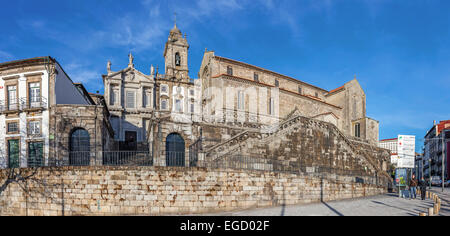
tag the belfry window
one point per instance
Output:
(277, 83)
(177, 59)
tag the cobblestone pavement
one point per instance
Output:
(382, 205)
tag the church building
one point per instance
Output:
(172, 115)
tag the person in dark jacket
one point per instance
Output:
(423, 188)
(412, 187)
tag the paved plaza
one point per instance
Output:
(383, 205)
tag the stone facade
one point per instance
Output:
(151, 107)
(142, 111)
(170, 190)
(68, 118)
(229, 97)
(299, 143)
(270, 96)
(33, 93)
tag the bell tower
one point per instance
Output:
(176, 55)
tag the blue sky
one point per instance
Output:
(399, 49)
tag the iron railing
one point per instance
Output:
(175, 158)
(23, 104)
(255, 163)
(235, 162)
(34, 103)
(127, 158)
(79, 159)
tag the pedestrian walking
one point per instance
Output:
(413, 187)
(423, 188)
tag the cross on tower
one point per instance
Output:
(175, 14)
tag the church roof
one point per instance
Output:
(269, 71)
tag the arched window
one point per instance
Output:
(79, 147)
(357, 130)
(177, 59)
(175, 150)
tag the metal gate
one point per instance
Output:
(175, 153)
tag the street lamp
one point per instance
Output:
(443, 159)
(429, 172)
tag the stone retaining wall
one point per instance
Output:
(166, 190)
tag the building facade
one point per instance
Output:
(436, 150)
(169, 115)
(35, 130)
(242, 94)
(156, 112)
(392, 146)
(419, 166)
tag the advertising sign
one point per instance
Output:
(401, 177)
(406, 146)
(394, 159)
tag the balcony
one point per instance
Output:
(34, 104)
(11, 107)
(23, 104)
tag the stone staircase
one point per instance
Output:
(292, 123)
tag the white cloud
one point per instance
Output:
(80, 73)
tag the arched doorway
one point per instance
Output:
(175, 150)
(79, 147)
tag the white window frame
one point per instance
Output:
(16, 124)
(113, 96)
(35, 94)
(127, 103)
(13, 102)
(147, 101)
(166, 107)
(166, 88)
(34, 127)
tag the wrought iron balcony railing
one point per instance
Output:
(22, 104)
(34, 103)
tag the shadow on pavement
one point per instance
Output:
(403, 209)
(332, 209)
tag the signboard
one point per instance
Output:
(406, 150)
(394, 159)
(401, 176)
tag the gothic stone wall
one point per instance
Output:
(166, 190)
